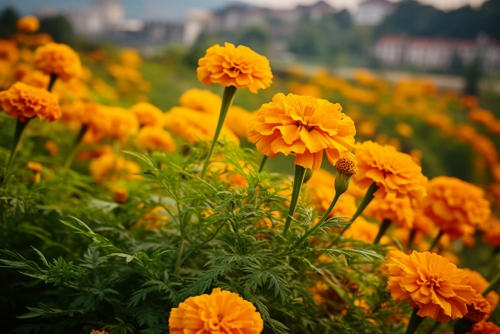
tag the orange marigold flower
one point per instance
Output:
(9, 50)
(94, 331)
(154, 219)
(52, 147)
(237, 120)
(111, 167)
(479, 283)
(302, 126)
(23, 101)
(36, 79)
(34, 167)
(194, 126)
(363, 230)
(120, 195)
(201, 100)
(219, 312)
(485, 327)
(455, 206)
(430, 283)
(147, 114)
(393, 171)
(28, 24)
(153, 138)
(397, 210)
(58, 59)
(77, 113)
(111, 122)
(478, 308)
(239, 66)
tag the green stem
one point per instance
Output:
(434, 327)
(321, 220)
(411, 237)
(18, 132)
(74, 148)
(298, 179)
(227, 101)
(383, 228)
(435, 242)
(262, 163)
(53, 78)
(415, 322)
(462, 326)
(495, 284)
(364, 203)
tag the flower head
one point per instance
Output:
(478, 308)
(302, 126)
(147, 114)
(484, 327)
(120, 195)
(9, 50)
(77, 113)
(154, 219)
(362, 230)
(153, 138)
(392, 171)
(430, 283)
(23, 101)
(112, 167)
(479, 283)
(397, 210)
(28, 24)
(455, 206)
(36, 79)
(219, 312)
(58, 59)
(94, 331)
(201, 100)
(239, 66)
(111, 122)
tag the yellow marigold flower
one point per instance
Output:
(194, 126)
(58, 59)
(227, 173)
(120, 195)
(40, 39)
(9, 50)
(478, 308)
(77, 113)
(322, 177)
(34, 167)
(28, 24)
(154, 219)
(111, 122)
(322, 195)
(404, 130)
(111, 167)
(362, 230)
(303, 126)
(52, 147)
(201, 100)
(147, 114)
(305, 89)
(36, 79)
(153, 138)
(455, 206)
(237, 119)
(219, 312)
(239, 66)
(393, 171)
(430, 283)
(484, 327)
(24, 102)
(398, 210)
(366, 128)
(130, 58)
(479, 283)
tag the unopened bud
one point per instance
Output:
(346, 168)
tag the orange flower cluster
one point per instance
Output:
(201, 100)
(238, 119)
(398, 210)
(58, 59)
(147, 114)
(9, 51)
(484, 327)
(25, 102)
(111, 122)
(239, 66)
(430, 283)
(302, 126)
(78, 113)
(393, 172)
(112, 167)
(219, 312)
(154, 219)
(154, 138)
(456, 206)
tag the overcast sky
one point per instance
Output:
(352, 4)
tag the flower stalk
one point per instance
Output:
(495, 284)
(53, 78)
(262, 163)
(18, 132)
(74, 148)
(364, 203)
(298, 179)
(415, 322)
(227, 101)
(383, 228)
(436, 241)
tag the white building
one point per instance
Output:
(196, 21)
(373, 12)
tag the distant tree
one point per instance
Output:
(343, 20)
(8, 21)
(307, 41)
(59, 28)
(257, 38)
(473, 74)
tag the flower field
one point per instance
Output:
(145, 196)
